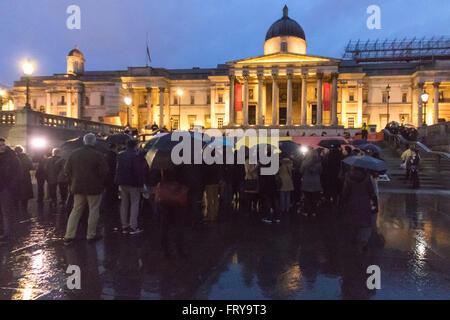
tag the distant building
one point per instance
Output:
(285, 86)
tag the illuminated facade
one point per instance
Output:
(285, 86)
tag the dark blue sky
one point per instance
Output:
(188, 33)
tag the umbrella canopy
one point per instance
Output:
(119, 139)
(217, 141)
(366, 162)
(370, 147)
(331, 142)
(153, 140)
(70, 145)
(359, 142)
(409, 125)
(289, 148)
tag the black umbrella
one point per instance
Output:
(289, 148)
(359, 142)
(331, 142)
(366, 162)
(119, 139)
(69, 146)
(370, 147)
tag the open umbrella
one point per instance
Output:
(153, 140)
(70, 145)
(331, 142)
(366, 162)
(119, 139)
(370, 147)
(289, 148)
(409, 125)
(359, 142)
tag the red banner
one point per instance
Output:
(238, 97)
(326, 97)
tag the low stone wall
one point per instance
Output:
(436, 137)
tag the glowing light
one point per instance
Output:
(28, 68)
(2, 93)
(127, 101)
(303, 149)
(179, 92)
(39, 143)
(425, 97)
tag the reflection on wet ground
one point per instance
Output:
(240, 258)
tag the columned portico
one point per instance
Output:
(231, 101)
(274, 97)
(334, 99)
(161, 107)
(245, 106)
(304, 105)
(436, 102)
(289, 98)
(260, 97)
(319, 98)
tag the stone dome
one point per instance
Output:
(285, 27)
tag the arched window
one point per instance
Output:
(284, 46)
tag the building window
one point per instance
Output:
(365, 96)
(191, 122)
(175, 100)
(284, 46)
(102, 100)
(87, 101)
(219, 122)
(34, 104)
(351, 96)
(351, 122)
(176, 123)
(404, 118)
(384, 98)
(192, 99)
(220, 98)
(250, 94)
(62, 113)
(315, 93)
(441, 96)
(208, 98)
(63, 100)
(42, 109)
(404, 97)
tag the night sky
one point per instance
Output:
(191, 33)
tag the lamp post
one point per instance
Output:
(388, 89)
(180, 93)
(424, 98)
(28, 70)
(128, 101)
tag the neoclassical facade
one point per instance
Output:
(284, 86)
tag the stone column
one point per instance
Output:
(212, 100)
(334, 99)
(48, 107)
(304, 99)
(344, 105)
(231, 102)
(149, 106)
(274, 98)
(289, 98)
(260, 97)
(419, 105)
(161, 107)
(319, 98)
(245, 113)
(360, 106)
(69, 104)
(80, 103)
(436, 102)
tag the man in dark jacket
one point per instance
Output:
(109, 210)
(10, 171)
(130, 177)
(86, 168)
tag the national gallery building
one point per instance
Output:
(374, 82)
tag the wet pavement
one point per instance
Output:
(240, 258)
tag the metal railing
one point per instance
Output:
(397, 141)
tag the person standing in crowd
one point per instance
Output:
(405, 156)
(86, 168)
(331, 170)
(212, 177)
(154, 127)
(55, 178)
(110, 200)
(357, 202)
(251, 186)
(364, 131)
(25, 188)
(131, 172)
(311, 170)
(10, 171)
(268, 193)
(286, 184)
(413, 164)
(41, 177)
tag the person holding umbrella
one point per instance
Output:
(311, 170)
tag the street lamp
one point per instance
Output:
(180, 93)
(424, 98)
(388, 89)
(128, 101)
(28, 70)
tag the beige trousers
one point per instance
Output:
(79, 205)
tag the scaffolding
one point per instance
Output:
(398, 50)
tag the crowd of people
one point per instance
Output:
(99, 183)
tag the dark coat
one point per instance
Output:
(111, 160)
(86, 169)
(25, 190)
(132, 169)
(10, 170)
(55, 170)
(357, 193)
(41, 171)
